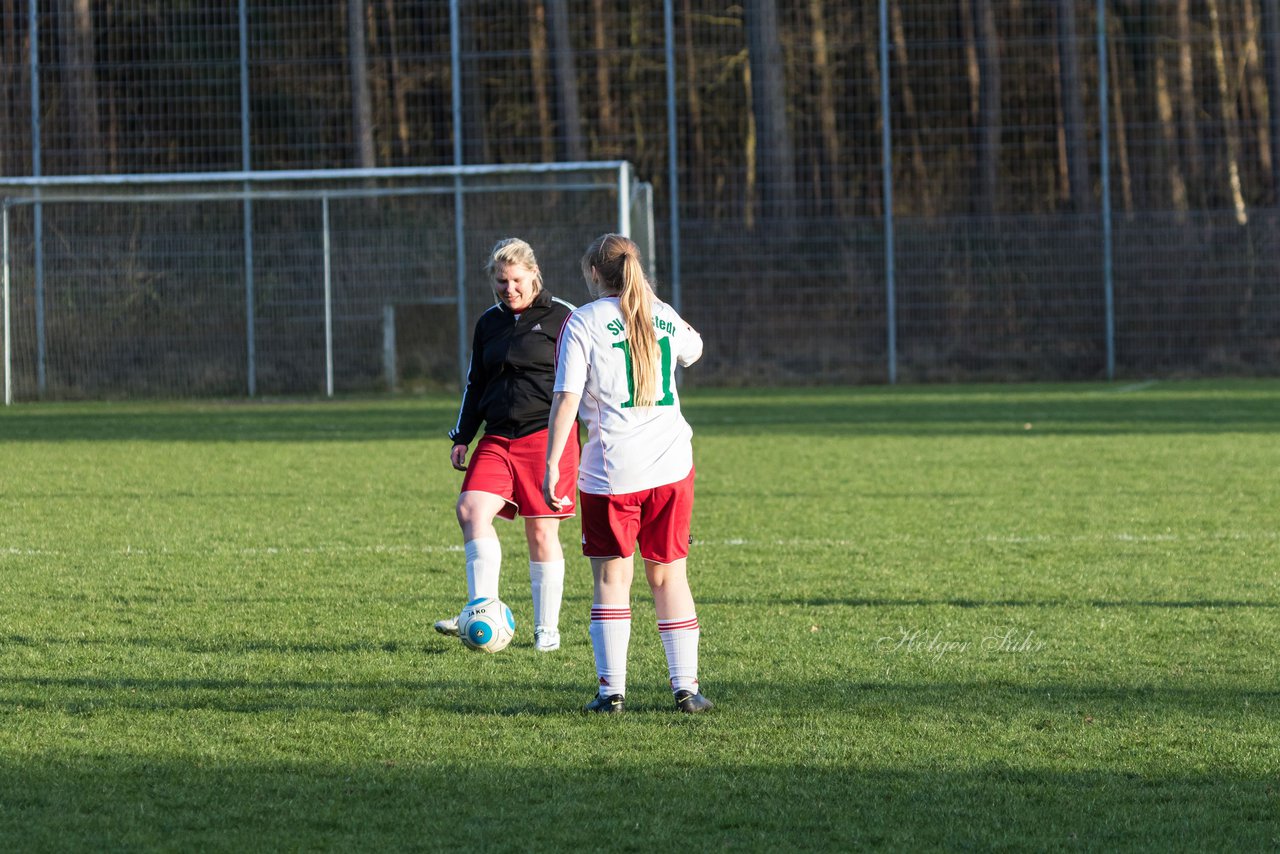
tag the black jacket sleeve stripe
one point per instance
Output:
(469, 418)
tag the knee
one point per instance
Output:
(544, 538)
(616, 579)
(657, 577)
(662, 576)
(615, 574)
(468, 512)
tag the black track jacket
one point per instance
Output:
(513, 369)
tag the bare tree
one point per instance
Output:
(541, 79)
(769, 106)
(1254, 107)
(608, 122)
(361, 100)
(873, 178)
(1188, 106)
(9, 100)
(697, 144)
(75, 35)
(831, 173)
(568, 111)
(1271, 58)
(1227, 111)
(397, 80)
(1072, 109)
(902, 78)
(750, 154)
(1169, 137)
(1120, 122)
(988, 131)
(474, 109)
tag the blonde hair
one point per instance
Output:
(513, 250)
(616, 261)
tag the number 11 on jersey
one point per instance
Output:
(668, 397)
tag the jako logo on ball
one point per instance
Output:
(486, 625)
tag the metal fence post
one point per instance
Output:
(328, 298)
(459, 228)
(673, 165)
(389, 346)
(624, 199)
(1105, 155)
(886, 142)
(8, 349)
(245, 166)
(33, 34)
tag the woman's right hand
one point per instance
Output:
(458, 456)
(549, 486)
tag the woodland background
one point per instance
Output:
(996, 137)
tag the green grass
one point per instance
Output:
(1022, 617)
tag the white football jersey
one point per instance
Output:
(628, 448)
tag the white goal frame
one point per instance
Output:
(133, 189)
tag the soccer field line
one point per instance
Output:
(730, 542)
(1009, 539)
(1134, 387)
(248, 551)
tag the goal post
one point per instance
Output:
(248, 283)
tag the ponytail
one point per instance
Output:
(636, 302)
(616, 260)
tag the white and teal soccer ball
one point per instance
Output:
(486, 625)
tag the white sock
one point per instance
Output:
(484, 559)
(680, 640)
(610, 637)
(547, 580)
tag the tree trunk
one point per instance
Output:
(776, 166)
(610, 135)
(1271, 65)
(831, 175)
(1119, 125)
(566, 75)
(750, 154)
(404, 134)
(10, 74)
(924, 192)
(361, 100)
(1169, 139)
(693, 124)
(75, 34)
(541, 79)
(873, 175)
(972, 73)
(1227, 112)
(987, 137)
(475, 129)
(1254, 106)
(1081, 198)
(1193, 156)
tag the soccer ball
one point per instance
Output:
(486, 625)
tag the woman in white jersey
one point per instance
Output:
(616, 372)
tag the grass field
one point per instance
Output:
(1002, 617)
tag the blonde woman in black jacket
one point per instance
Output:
(509, 392)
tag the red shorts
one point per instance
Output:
(512, 469)
(659, 518)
